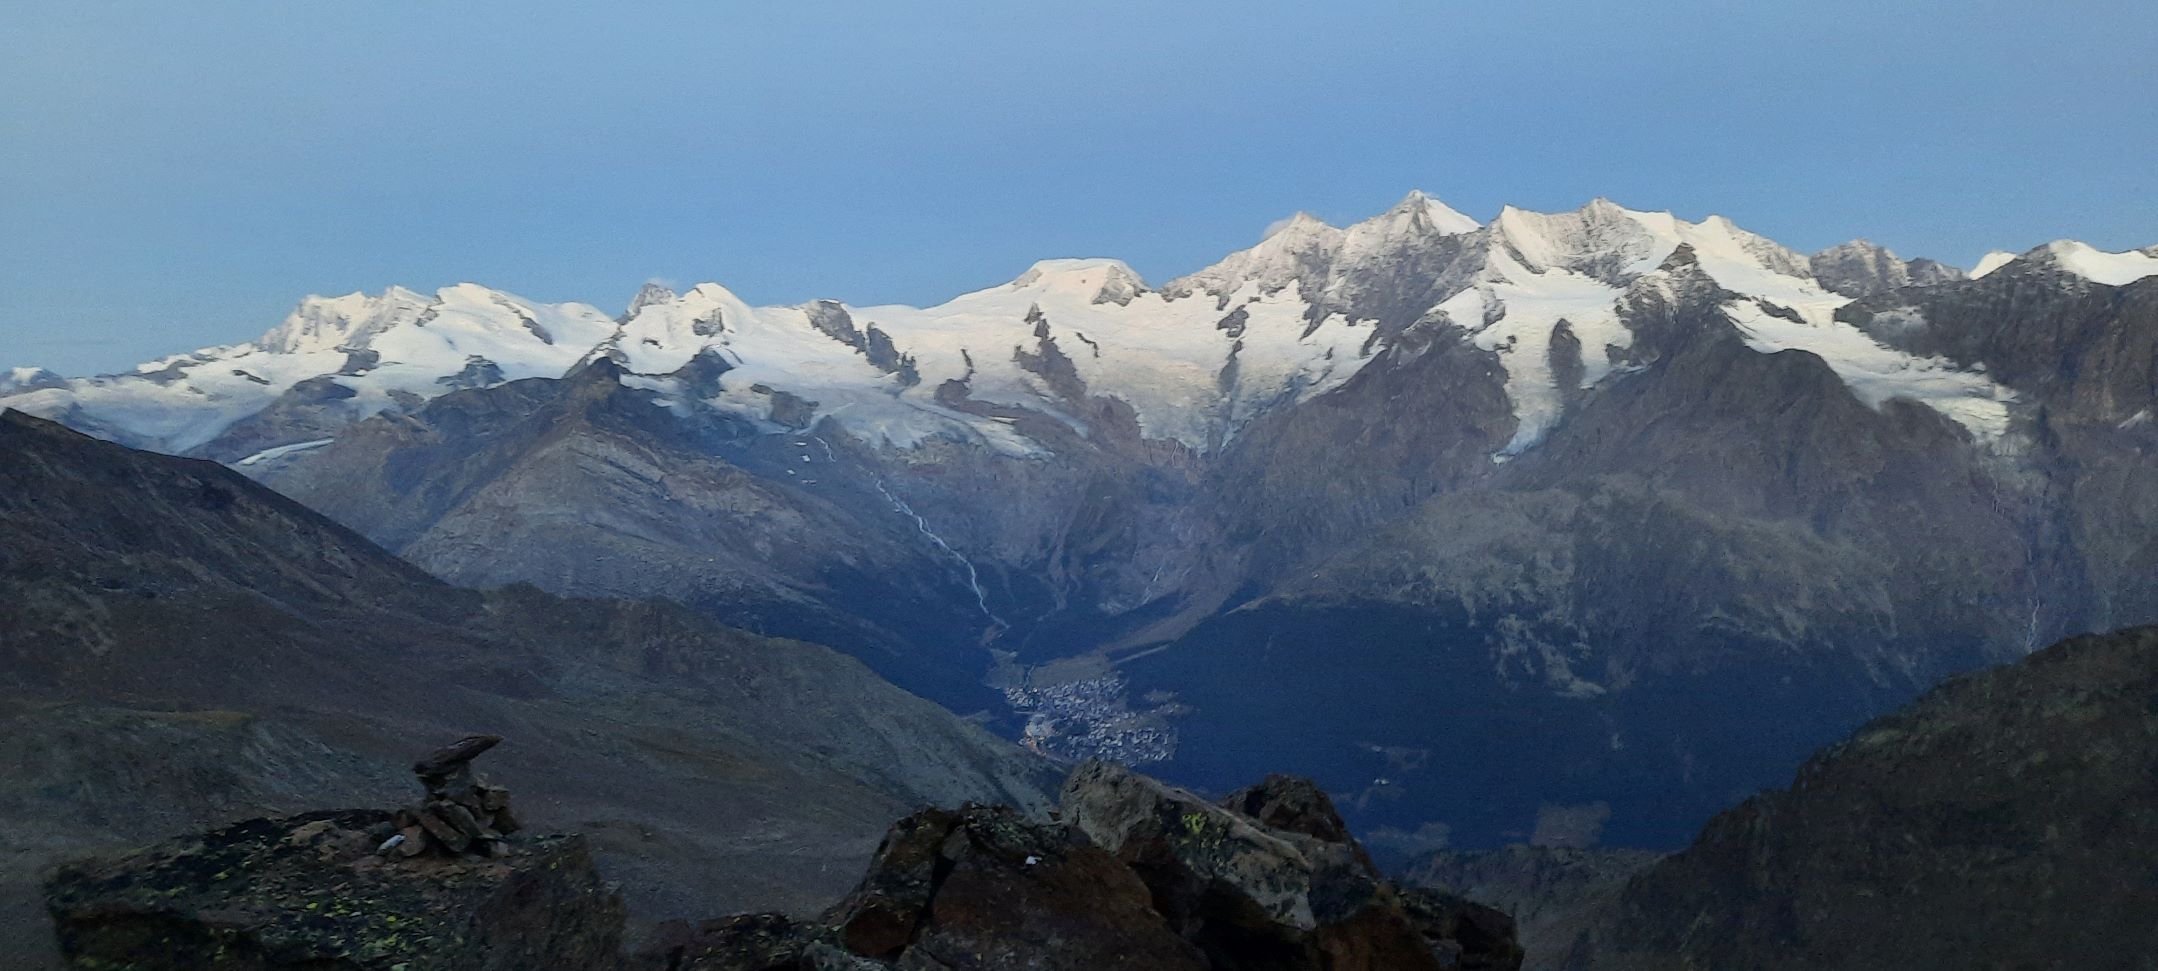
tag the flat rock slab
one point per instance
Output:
(310, 891)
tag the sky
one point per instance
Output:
(179, 175)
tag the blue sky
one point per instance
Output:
(174, 175)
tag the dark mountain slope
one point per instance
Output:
(2005, 820)
(182, 645)
(586, 487)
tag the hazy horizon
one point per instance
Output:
(181, 177)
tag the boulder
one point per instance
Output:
(1468, 935)
(1290, 804)
(1250, 895)
(983, 888)
(312, 891)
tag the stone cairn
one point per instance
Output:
(461, 816)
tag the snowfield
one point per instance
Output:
(1196, 360)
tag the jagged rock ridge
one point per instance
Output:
(1143, 877)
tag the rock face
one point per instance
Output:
(1247, 892)
(311, 892)
(1859, 268)
(982, 888)
(2002, 821)
(1140, 876)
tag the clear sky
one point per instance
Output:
(178, 174)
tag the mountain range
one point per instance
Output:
(1575, 526)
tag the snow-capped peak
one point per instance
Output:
(1601, 240)
(18, 379)
(1544, 268)
(1433, 214)
(327, 323)
(2097, 265)
(1094, 280)
(2079, 259)
(1415, 215)
(1860, 246)
(1300, 225)
(651, 293)
(1992, 261)
(1412, 223)
(1299, 248)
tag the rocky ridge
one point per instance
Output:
(1139, 876)
(445, 886)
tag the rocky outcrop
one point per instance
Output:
(1295, 805)
(1244, 891)
(2002, 821)
(1859, 268)
(1137, 876)
(982, 888)
(312, 892)
(461, 815)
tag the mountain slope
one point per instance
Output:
(1608, 620)
(183, 645)
(589, 487)
(2001, 821)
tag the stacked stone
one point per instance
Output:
(462, 815)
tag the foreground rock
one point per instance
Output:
(983, 888)
(311, 891)
(1139, 876)
(462, 814)
(1142, 877)
(1300, 897)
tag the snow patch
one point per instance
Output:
(2099, 266)
(1876, 373)
(1992, 261)
(271, 454)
